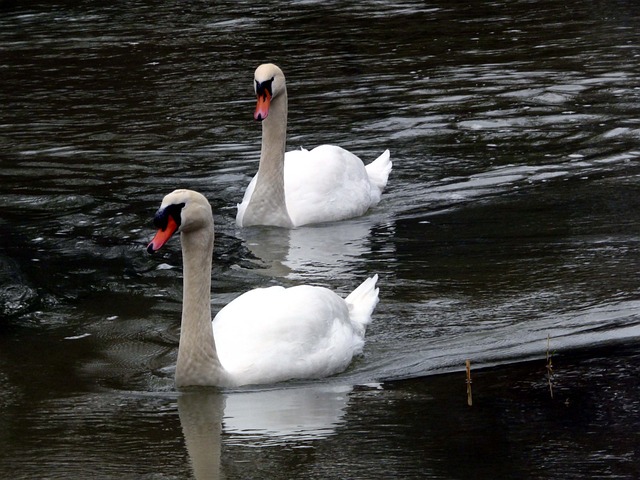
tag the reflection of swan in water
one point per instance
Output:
(256, 417)
(278, 416)
(311, 251)
(201, 419)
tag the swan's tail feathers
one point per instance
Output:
(379, 170)
(362, 301)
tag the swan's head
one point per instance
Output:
(269, 82)
(181, 211)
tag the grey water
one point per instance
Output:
(509, 232)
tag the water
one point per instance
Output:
(510, 220)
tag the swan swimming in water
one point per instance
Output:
(265, 335)
(302, 187)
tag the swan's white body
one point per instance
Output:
(267, 334)
(302, 187)
(297, 332)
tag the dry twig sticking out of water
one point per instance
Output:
(549, 367)
(469, 396)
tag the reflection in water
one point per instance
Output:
(257, 418)
(277, 417)
(201, 419)
(317, 251)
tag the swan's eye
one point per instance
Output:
(264, 88)
(161, 219)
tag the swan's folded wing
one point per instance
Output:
(274, 334)
(325, 184)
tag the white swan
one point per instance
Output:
(325, 184)
(267, 334)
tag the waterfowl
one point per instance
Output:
(303, 187)
(265, 335)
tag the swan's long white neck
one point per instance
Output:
(198, 362)
(268, 199)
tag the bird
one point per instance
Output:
(266, 335)
(301, 187)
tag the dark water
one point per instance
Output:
(511, 219)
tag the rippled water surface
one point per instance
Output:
(509, 230)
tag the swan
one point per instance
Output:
(266, 335)
(302, 187)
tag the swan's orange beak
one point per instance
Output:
(262, 107)
(162, 235)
